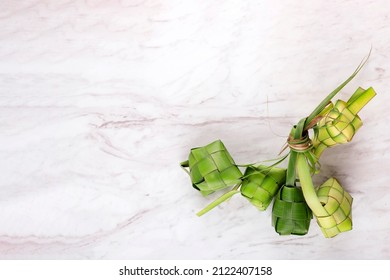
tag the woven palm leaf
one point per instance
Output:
(261, 185)
(340, 124)
(290, 213)
(338, 203)
(212, 168)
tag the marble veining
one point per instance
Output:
(101, 100)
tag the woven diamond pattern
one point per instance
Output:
(261, 185)
(338, 203)
(212, 168)
(337, 127)
(290, 213)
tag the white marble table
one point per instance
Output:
(101, 100)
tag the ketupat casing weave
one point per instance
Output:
(260, 185)
(290, 213)
(338, 203)
(337, 127)
(340, 124)
(212, 168)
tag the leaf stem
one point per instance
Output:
(218, 201)
(307, 187)
(324, 102)
(291, 176)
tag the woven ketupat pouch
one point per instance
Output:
(260, 185)
(212, 168)
(290, 213)
(338, 203)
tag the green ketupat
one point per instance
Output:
(338, 203)
(330, 204)
(212, 168)
(340, 124)
(261, 183)
(290, 213)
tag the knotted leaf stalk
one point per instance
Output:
(296, 200)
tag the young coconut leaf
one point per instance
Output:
(212, 168)
(260, 184)
(331, 204)
(290, 213)
(338, 203)
(340, 124)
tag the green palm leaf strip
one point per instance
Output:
(259, 185)
(327, 99)
(218, 201)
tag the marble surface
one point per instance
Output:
(101, 100)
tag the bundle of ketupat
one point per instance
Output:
(296, 200)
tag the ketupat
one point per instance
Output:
(340, 124)
(260, 185)
(290, 213)
(212, 168)
(338, 203)
(296, 199)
